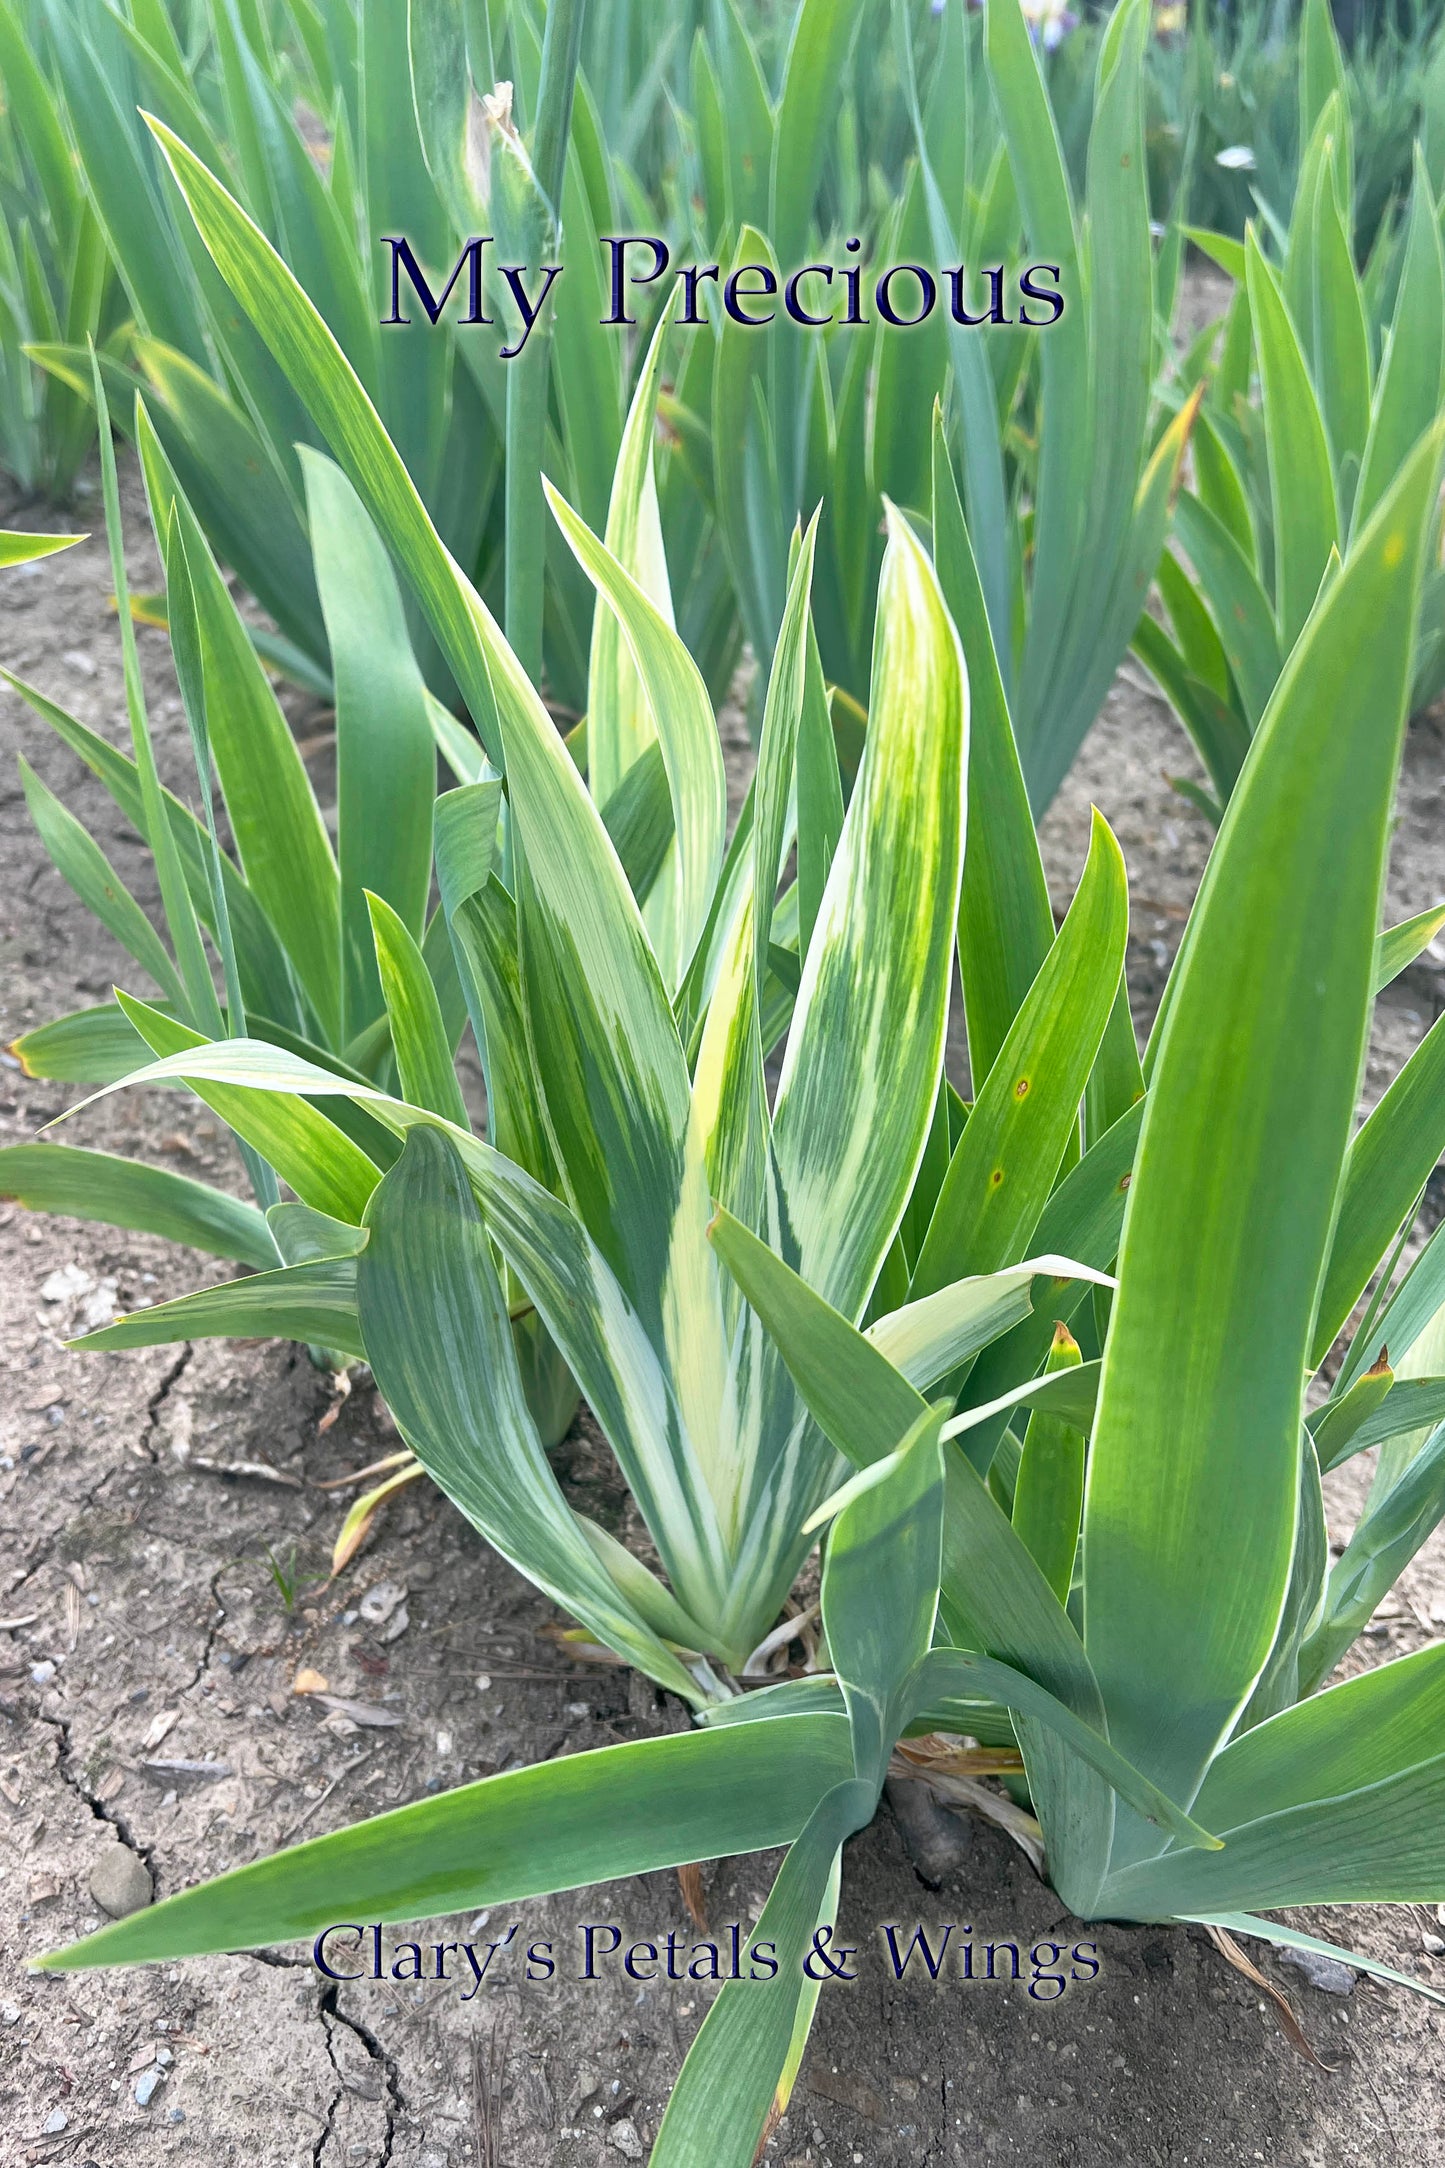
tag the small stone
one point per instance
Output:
(380, 1601)
(75, 658)
(1434, 1944)
(147, 2085)
(99, 1306)
(444, 1742)
(623, 2139)
(175, 2115)
(164, 2057)
(484, 1682)
(308, 1681)
(10, 2014)
(119, 1882)
(42, 1674)
(1325, 1973)
(54, 2123)
(67, 1284)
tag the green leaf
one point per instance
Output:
(1400, 1516)
(90, 1046)
(1336, 1426)
(928, 1339)
(1008, 1158)
(880, 1589)
(1334, 1801)
(754, 508)
(1242, 614)
(638, 818)
(1049, 1488)
(1290, 1938)
(1322, 77)
(860, 1400)
(257, 528)
(1189, 1516)
(1005, 919)
(432, 1317)
(1341, 345)
(621, 725)
(122, 1193)
(281, 840)
(314, 363)
(864, 1052)
(81, 862)
(1081, 1221)
(262, 961)
(484, 934)
(385, 758)
(818, 49)
(418, 1034)
(1388, 1165)
(304, 1236)
(559, 1825)
(682, 712)
(990, 1585)
(1301, 481)
(1407, 394)
(313, 1302)
(23, 549)
(727, 2085)
(775, 784)
(1398, 946)
(307, 1150)
(180, 915)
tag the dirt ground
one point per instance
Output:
(154, 1612)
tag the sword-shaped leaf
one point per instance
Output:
(418, 1033)
(1005, 920)
(1338, 1800)
(435, 1326)
(674, 691)
(1301, 481)
(864, 1053)
(80, 861)
(720, 2104)
(314, 1302)
(281, 839)
(880, 1589)
(122, 1193)
(385, 756)
(562, 1824)
(306, 1149)
(1388, 1165)
(1008, 1158)
(1190, 1505)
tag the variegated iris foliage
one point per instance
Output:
(626, 1025)
(1320, 381)
(1142, 1581)
(761, 1286)
(802, 1283)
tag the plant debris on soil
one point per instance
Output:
(181, 1683)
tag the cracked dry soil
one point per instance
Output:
(146, 1701)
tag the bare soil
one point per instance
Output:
(157, 1611)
